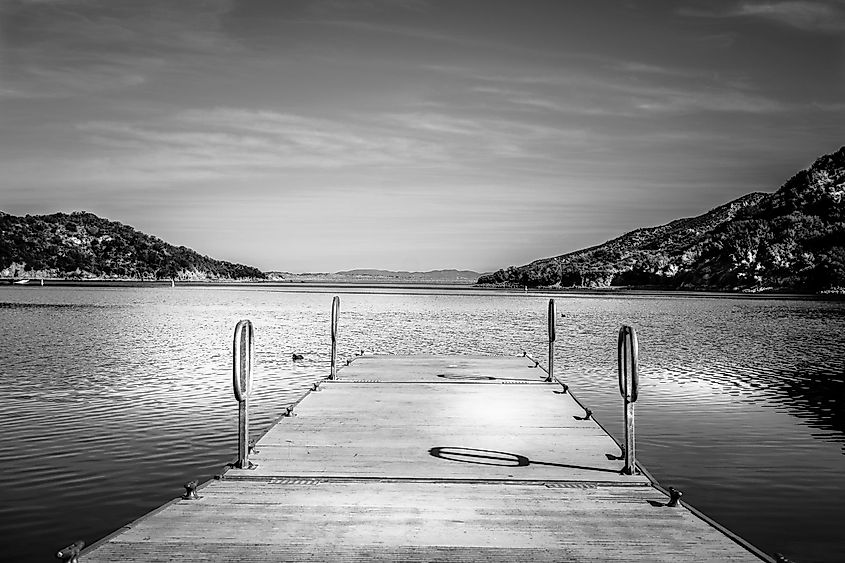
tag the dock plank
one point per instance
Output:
(439, 431)
(357, 521)
(444, 369)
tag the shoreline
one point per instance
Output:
(317, 285)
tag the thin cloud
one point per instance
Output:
(684, 101)
(13, 93)
(532, 101)
(398, 30)
(321, 7)
(648, 69)
(236, 143)
(609, 95)
(73, 47)
(431, 36)
(229, 142)
(809, 16)
(831, 107)
(436, 123)
(487, 138)
(602, 90)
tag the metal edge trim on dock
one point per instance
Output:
(448, 382)
(447, 480)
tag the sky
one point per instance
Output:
(324, 135)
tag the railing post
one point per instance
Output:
(335, 315)
(627, 354)
(552, 336)
(242, 380)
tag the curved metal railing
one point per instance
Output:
(629, 383)
(335, 315)
(552, 337)
(242, 360)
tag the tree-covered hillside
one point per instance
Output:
(83, 245)
(793, 239)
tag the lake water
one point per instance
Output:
(114, 397)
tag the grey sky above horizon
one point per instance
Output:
(409, 134)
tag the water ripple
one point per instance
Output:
(114, 397)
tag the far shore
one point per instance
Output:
(352, 286)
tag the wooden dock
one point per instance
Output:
(420, 458)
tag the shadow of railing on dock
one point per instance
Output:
(502, 459)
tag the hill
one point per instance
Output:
(83, 245)
(792, 239)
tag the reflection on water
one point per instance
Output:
(113, 397)
(815, 394)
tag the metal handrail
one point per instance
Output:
(627, 359)
(242, 360)
(335, 316)
(552, 338)
(242, 350)
(628, 356)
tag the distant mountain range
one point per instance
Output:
(83, 245)
(793, 239)
(382, 276)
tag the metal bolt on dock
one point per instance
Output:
(70, 554)
(674, 496)
(191, 490)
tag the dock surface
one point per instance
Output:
(419, 458)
